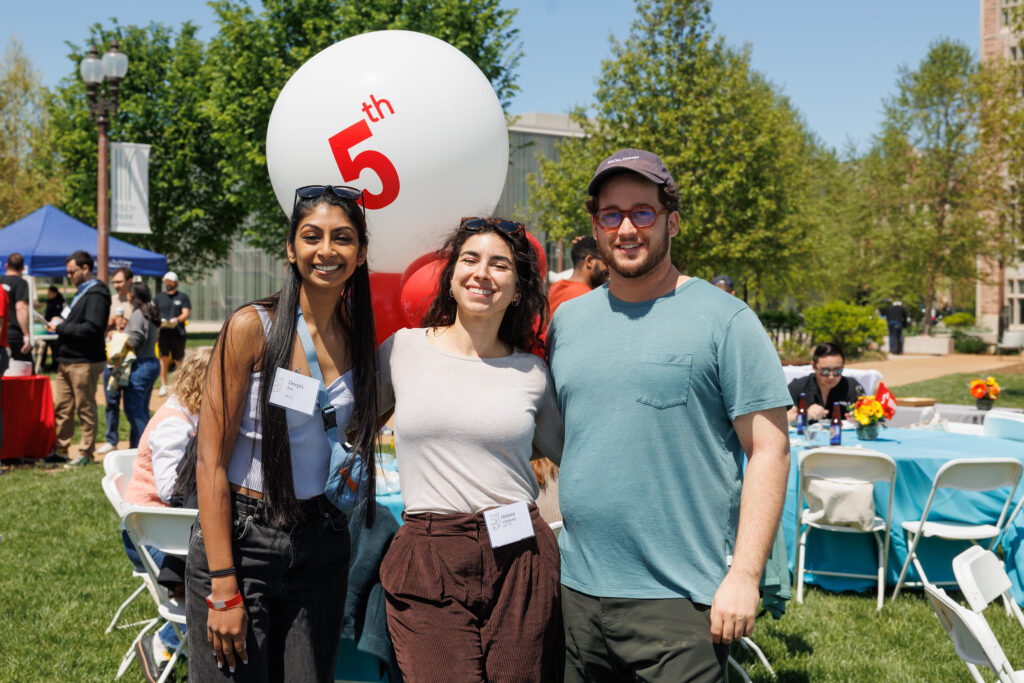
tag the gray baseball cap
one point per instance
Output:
(639, 161)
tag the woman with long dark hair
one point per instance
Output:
(472, 578)
(143, 329)
(268, 561)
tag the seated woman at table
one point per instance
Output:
(826, 386)
(471, 407)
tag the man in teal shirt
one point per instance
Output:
(664, 382)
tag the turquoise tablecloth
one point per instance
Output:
(918, 454)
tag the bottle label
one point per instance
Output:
(835, 435)
(800, 420)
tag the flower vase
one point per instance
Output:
(985, 403)
(868, 432)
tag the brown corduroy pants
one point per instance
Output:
(459, 610)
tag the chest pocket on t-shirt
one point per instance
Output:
(664, 379)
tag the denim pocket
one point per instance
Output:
(663, 379)
(240, 523)
(335, 519)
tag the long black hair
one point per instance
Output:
(142, 300)
(522, 323)
(355, 314)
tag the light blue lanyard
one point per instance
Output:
(326, 409)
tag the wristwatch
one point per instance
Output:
(221, 605)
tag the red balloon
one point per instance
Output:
(420, 284)
(387, 311)
(542, 257)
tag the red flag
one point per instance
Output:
(888, 401)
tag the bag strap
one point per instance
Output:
(327, 411)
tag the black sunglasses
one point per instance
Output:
(340, 191)
(476, 224)
(835, 372)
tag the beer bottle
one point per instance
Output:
(835, 428)
(801, 414)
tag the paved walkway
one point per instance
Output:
(908, 368)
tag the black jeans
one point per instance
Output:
(293, 580)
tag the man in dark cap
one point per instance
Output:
(664, 382)
(724, 283)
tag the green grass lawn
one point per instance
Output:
(954, 388)
(63, 572)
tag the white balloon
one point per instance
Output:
(397, 104)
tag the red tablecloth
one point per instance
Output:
(28, 417)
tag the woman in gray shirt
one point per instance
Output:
(143, 328)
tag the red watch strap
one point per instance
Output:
(226, 604)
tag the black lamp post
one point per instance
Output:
(113, 66)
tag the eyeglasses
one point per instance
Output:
(476, 224)
(642, 216)
(834, 372)
(340, 191)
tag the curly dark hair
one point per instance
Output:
(521, 325)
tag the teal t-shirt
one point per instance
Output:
(651, 471)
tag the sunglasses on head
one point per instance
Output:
(834, 372)
(340, 191)
(640, 216)
(476, 224)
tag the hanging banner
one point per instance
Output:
(129, 187)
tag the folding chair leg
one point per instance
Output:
(911, 555)
(173, 659)
(130, 655)
(800, 556)
(117, 614)
(1013, 607)
(739, 670)
(881, 572)
(920, 570)
(752, 646)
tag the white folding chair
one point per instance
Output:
(972, 638)
(114, 486)
(982, 579)
(963, 474)
(556, 527)
(965, 428)
(852, 467)
(167, 530)
(120, 461)
(1004, 424)
(752, 647)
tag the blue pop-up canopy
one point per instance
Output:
(46, 237)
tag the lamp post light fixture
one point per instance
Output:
(113, 66)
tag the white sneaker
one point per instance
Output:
(163, 390)
(105, 448)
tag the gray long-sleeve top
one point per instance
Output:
(142, 335)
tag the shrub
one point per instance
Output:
(963, 319)
(968, 343)
(852, 327)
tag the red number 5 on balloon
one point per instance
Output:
(351, 167)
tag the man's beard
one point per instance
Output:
(656, 251)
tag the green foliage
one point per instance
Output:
(740, 155)
(254, 53)
(776, 319)
(852, 327)
(931, 177)
(968, 343)
(26, 181)
(962, 319)
(194, 220)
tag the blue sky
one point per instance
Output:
(835, 60)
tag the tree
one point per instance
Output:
(739, 153)
(933, 177)
(161, 104)
(253, 55)
(26, 180)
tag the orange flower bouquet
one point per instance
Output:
(985, 391)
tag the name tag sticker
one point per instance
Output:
(65, 312)
(508, 524)
(294, 391)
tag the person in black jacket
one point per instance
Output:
(896, 317)
(54, 305)
(80, 329)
